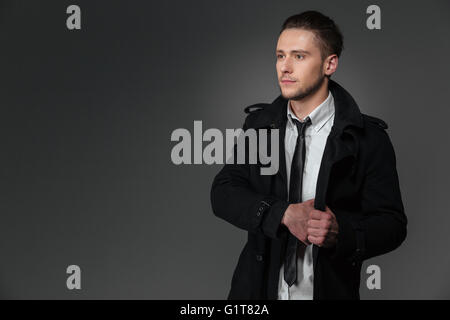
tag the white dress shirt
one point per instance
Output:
(316, 134)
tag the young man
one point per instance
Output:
(335, 200)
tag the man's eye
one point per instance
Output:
(279, 56)
(299, 56)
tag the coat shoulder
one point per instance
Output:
(257, 114)
(255, 108)
(374, 121)
(376, 140)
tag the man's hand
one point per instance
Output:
(296, 219)
(322, 228)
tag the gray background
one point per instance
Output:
(86, 118)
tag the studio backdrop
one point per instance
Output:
(91, 93)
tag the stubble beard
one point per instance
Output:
(302, 93)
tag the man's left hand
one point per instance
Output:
(323, 228)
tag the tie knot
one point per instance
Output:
(301, 126)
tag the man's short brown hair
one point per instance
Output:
(327, 33)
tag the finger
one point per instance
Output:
(327, 209)
(313, 223)
(315, 214)
(318, 241)
(320, 224)
(316, 232)
(309, 203)
(326, 216)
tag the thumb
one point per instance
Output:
(327, 209)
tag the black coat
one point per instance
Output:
(357, 179)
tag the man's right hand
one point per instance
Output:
(296, 218)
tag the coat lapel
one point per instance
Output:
(341, 143)
(335, 150)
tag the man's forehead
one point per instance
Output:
(297, 39)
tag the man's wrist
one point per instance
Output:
(285, 216)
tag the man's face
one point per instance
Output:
(299, 64)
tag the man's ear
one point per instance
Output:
(331, 64)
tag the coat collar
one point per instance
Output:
(319, 116)
(347, 112)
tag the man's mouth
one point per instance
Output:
(287, 81)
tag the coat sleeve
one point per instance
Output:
(381, 226)
(234, 200)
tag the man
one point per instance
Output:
(335, 200)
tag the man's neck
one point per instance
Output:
(302, 108)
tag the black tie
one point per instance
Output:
(295, 196)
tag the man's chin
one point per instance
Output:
(289, 95)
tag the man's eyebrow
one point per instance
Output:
(295, 51)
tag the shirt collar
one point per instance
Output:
(319, 116)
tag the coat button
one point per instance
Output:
(259, 257)
(260, 210)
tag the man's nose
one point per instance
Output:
(286, 65)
